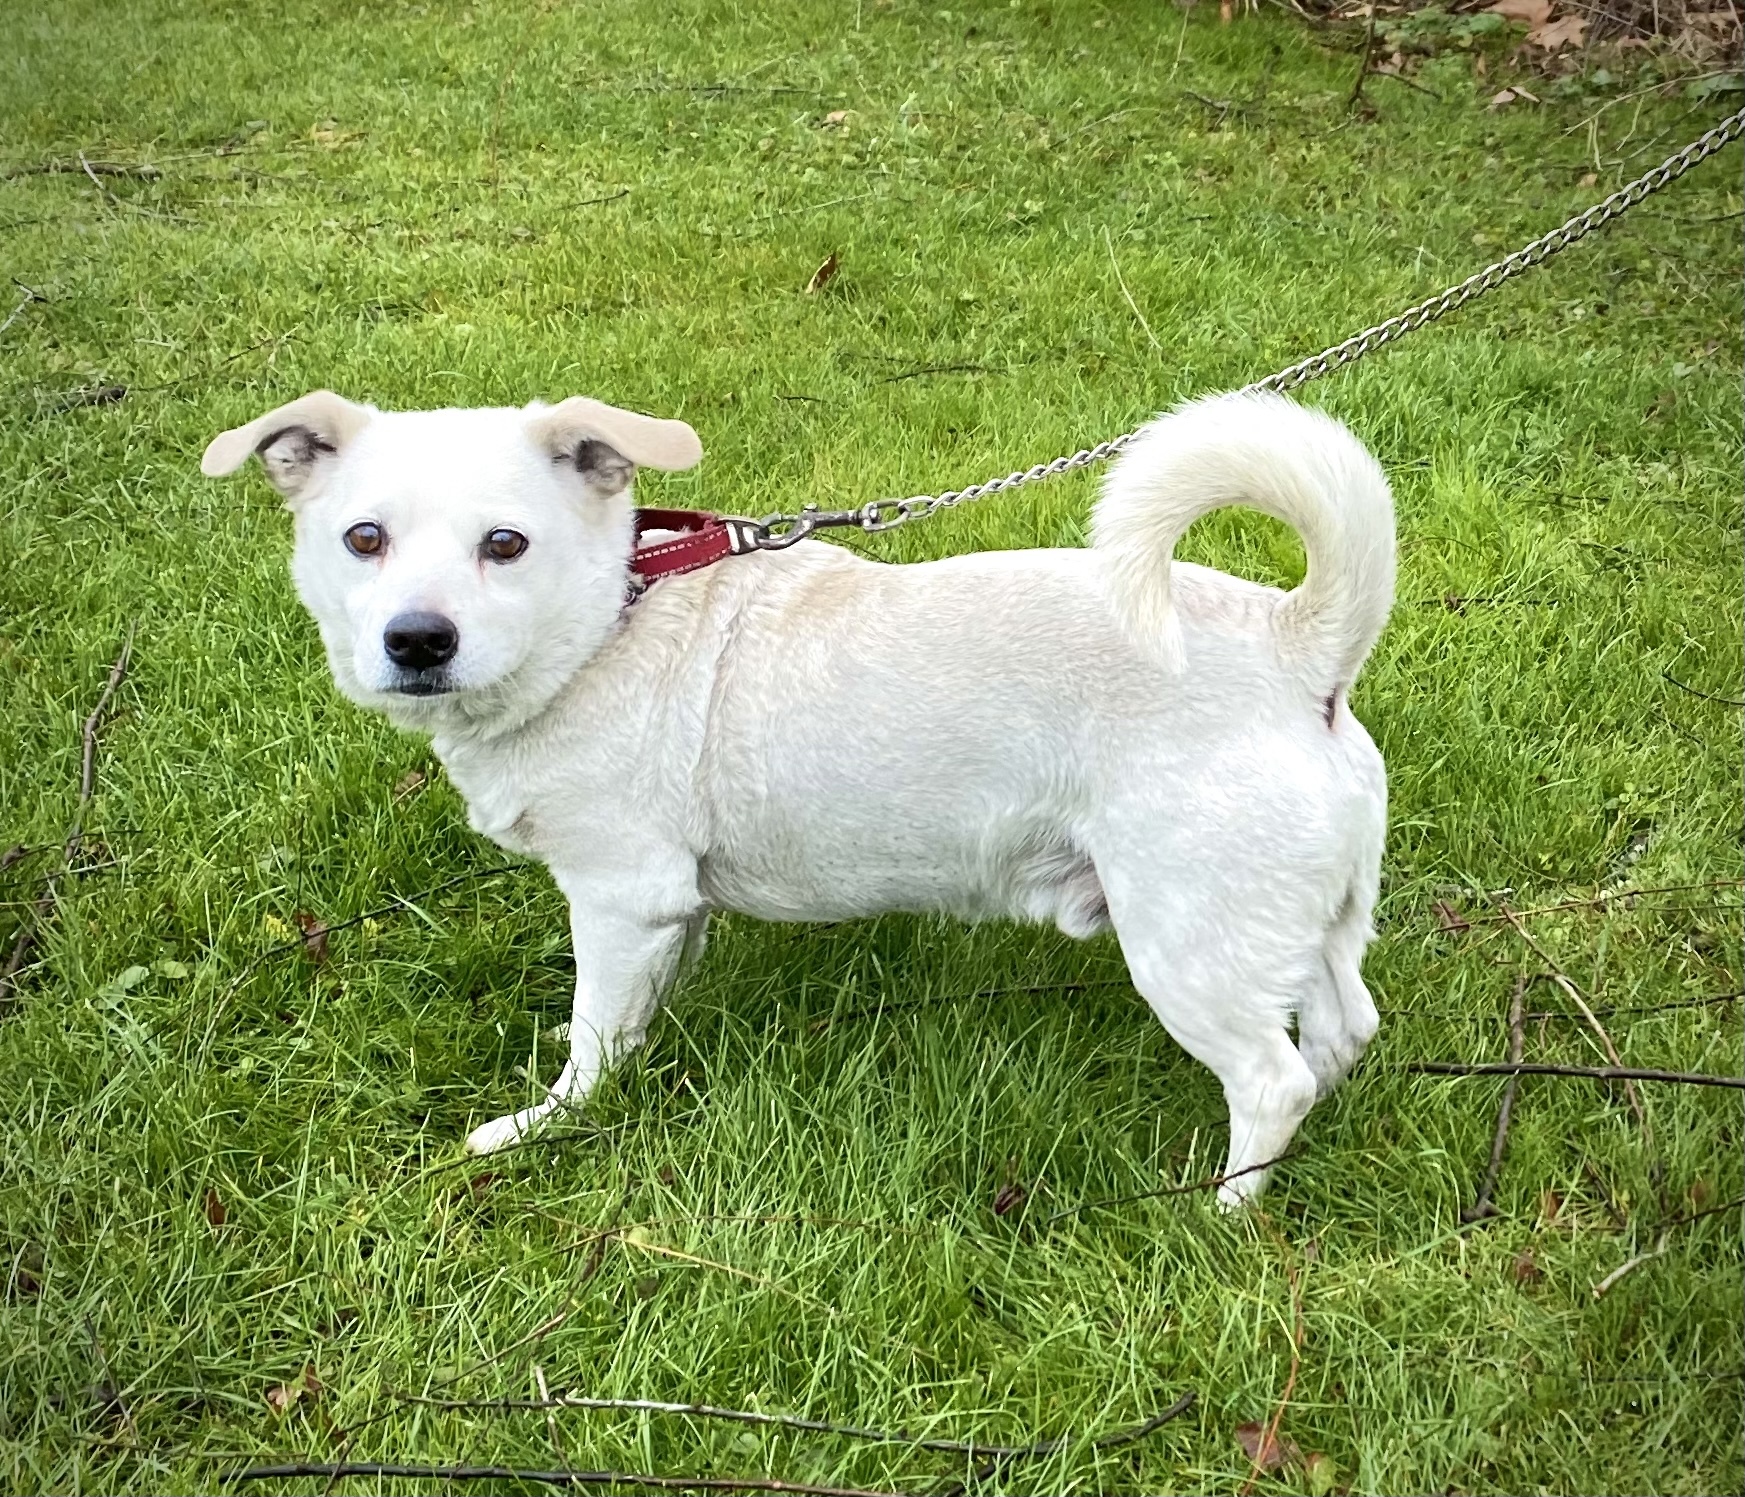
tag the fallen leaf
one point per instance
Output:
(216, 1211)
(1501, 97)
(1269, 1452)
(314, 936)
(1550, 1203)
(1589, 179)
(1009, 1199)
(1565, 31)
(409, 784)
(283, 1397)
(823, 275)
(836, 117)
(174, 970)
(1533, 12)
(1447, 917)
(1526, 1268)
(1527, 94)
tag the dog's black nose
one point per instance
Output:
(419, 641)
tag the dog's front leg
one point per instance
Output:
(625, 961)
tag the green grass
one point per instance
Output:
(406, 209)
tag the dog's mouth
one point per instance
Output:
(422, 684)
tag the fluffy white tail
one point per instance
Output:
(1270, 454)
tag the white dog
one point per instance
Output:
(1094, 737)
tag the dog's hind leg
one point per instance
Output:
(1229, 1013)
(1337, 1018)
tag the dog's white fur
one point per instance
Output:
(1093, 737)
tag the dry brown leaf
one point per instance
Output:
(1550, 1203)
(1533, 12)
(1009, 1198)
(409, 784)
(1268, 1452)
(216, 1211)
(314, 936)
(823, 275)
(1526, 1268)
(1565, 31)
(1501, 97)
(836, 117)
(1589, 179)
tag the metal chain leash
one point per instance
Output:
(774, 532)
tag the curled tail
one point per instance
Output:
(1268, 453)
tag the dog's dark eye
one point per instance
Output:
(365, 538)
(503, 545)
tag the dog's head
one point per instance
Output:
(461, 564)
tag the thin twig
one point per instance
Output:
(1706, 696)
(1643, 1008)
(1598, 900)
(23, 302)
(877, 1010)
(974, 1449)
(382, 1470)
(400, 903)
(100, 168)
(110, 1383)
(1041, 1448)
(1592, 1073)
(1697, 1216)
(1269, 1437)
(1121, 281)
(1362, 67)
(1634, 1263)
(550, 1415)
(661, 1250)
(1481, 1207)
(1211, 1183)
(25, 939)
(1579, 999)
(894, 379)
(97, 182)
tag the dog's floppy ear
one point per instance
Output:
(607, 445)
(293, 442)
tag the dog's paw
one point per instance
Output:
(502, 1133)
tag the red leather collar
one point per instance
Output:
(702, 540)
